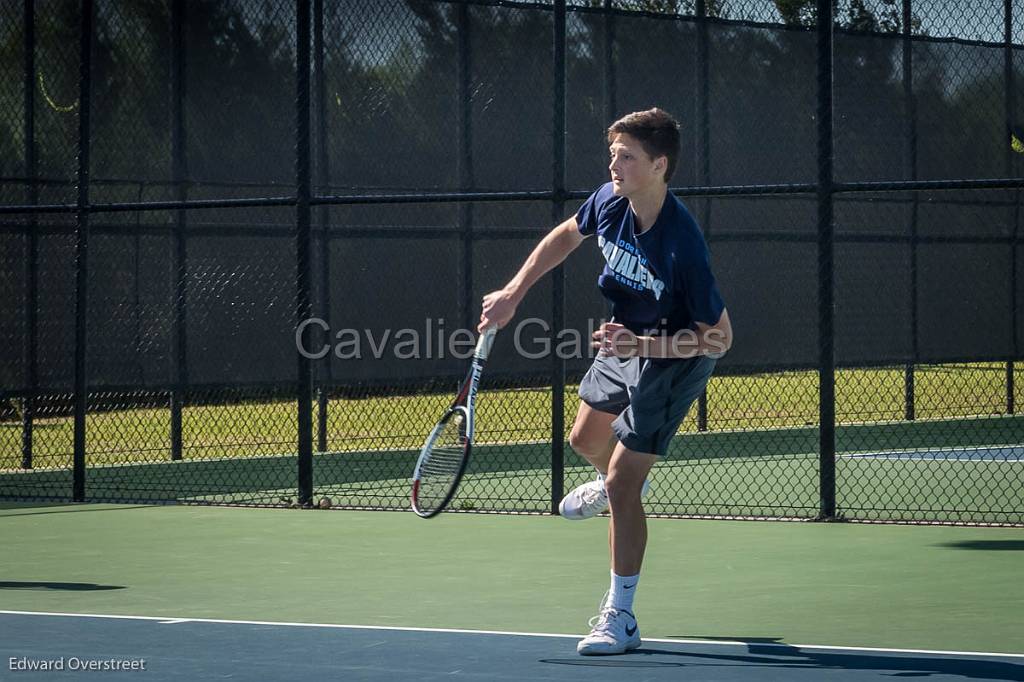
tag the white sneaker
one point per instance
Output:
(584, 501)
(615, 631)
(588, 500)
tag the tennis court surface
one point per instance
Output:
(228, 593)
(174, 649)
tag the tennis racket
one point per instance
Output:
(445, 454)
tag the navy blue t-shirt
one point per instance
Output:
(659, 281)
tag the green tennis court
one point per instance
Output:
(927, 589)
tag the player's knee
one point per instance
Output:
(622, 489)
(582, 444)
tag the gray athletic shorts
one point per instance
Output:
(650, 396)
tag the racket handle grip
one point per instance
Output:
(483, 344)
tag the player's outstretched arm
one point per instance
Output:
(500, 306)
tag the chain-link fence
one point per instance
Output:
(185, 185)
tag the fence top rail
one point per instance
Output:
(540, 195)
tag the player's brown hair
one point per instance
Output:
(657, 132)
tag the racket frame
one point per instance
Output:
(465, 402)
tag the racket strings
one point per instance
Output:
(440, 468)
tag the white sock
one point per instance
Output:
(600, 477)
(620, 595)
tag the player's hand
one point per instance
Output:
(614, 339)
(499, 308)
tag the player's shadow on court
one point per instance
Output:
(625, 661)
(768, 653)
(73, 587)
(989, 545)
(35, 509)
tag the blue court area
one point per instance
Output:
(170, 649)
(1005, 453)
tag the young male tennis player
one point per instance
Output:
(654, 359)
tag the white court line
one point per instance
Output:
(815, 647)
(927, 454)
(966, 448)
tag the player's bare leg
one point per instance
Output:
(627, 530)
(591, 436)
(615, 629)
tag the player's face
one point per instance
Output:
(632, 170)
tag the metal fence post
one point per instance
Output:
(303, 306)
(32, 267)
(82, 249)
(608, 62)
(464, 125)
(826, 278)
(1010, 163)
(909, 390)
(323, 175)
(558, 274)
(703, 156)
(179, 250)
